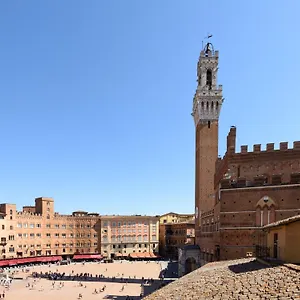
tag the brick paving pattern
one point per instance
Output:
(236, 279)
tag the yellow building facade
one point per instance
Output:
(172, 217)
(182, 225)
(283, 239)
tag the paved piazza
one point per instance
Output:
(238, 279)
(43, 289)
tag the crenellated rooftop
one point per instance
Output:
(283, 146)
(258, 154)
(28, 215)
(257, 148)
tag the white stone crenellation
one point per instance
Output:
(208, 98)
(207, 110)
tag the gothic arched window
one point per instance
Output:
(265, 211)
(209, 78)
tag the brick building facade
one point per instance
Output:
(173, 236)
(253, 189)
(40, 231)
(235, 196)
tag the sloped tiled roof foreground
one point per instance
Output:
(284, 222)
(235, 279)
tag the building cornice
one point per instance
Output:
(282, 186)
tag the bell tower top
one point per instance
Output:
(208, 98)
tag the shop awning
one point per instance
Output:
(121, 255)
(3, 263)
(143, 255)
(12, 262)
(56, 258)
(44, 259)
(28, 260)
(87, 256)
(24, 260)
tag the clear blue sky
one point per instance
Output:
(96, 96)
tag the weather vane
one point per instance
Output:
(207, 38)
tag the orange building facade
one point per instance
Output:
(40, 231)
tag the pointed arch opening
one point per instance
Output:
(265, 211)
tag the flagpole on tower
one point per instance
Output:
(207, 38)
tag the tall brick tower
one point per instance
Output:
(206, 109)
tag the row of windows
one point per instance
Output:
(132, 224)
(180, 232)
(175, 242)
(63, 226)
(10, 227)
(207, 221)
(210, 228)
(128, 230)
(26, 225)
(124, 251)
(57, 235)
(128, 238)
(10, 238)
(129, 246)
(58, 245)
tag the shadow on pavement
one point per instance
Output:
(172, 270)
(118, 297)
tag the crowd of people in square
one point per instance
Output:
(39, 277)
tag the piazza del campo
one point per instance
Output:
(242, 241)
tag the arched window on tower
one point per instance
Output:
(209, 79)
